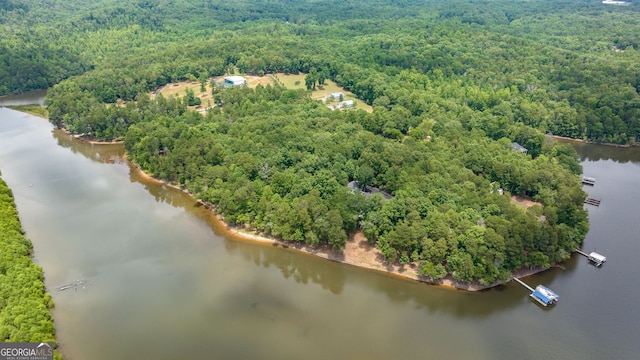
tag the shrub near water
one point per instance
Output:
(24, 304)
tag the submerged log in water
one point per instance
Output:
(74, 285)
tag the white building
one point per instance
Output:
(231, 81)
(347, 104)
(335, 96)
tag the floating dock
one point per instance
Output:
(541, 294)
(588, 180)
(592, 201)
(593, 257)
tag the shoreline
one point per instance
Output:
(368, 259)
(592, 142)
(23, 109)
(83, 139)
(389, 269)
(357, 252)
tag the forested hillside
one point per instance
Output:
(452, 85)
(564, 67)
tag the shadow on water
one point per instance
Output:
(163, 193)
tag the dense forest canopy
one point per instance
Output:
(452, 85)
(24, 304)
(573, 63)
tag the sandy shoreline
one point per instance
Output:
(367, 256)
(357, 252)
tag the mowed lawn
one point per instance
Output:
(180, 89)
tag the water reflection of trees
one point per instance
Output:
(595, 152)
(163, 193)
(433, 299)
(114, 154)
(103, 153)
(297, 266)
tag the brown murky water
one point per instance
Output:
(164, 282)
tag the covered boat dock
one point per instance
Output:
(593, 257)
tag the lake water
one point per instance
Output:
(35, 97)
(165, 282)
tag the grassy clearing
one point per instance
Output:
(291, 81)
(35, 110)
(297, 82)
(179, 90)
(253, 81)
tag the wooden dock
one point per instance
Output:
(582, 253)
(523, 284)
(592, 201)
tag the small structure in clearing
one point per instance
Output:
(339, 96)
(347, 104)
(234, 81)
(368, 190)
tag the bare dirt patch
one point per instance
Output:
(524, 201)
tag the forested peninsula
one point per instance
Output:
(453, 87)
